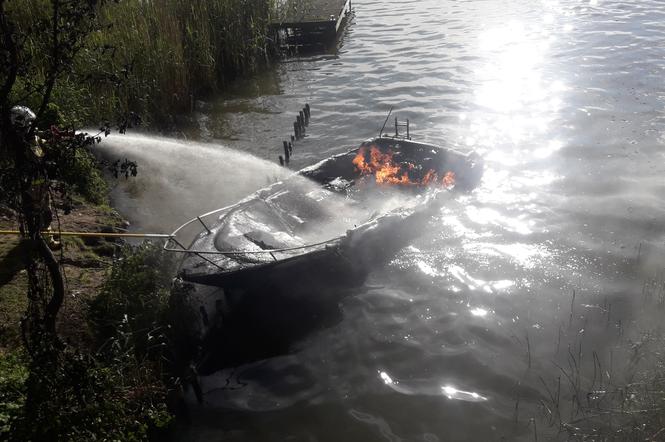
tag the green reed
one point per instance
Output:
(154, 57)
(174, 51)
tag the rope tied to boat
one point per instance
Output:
(96, 234)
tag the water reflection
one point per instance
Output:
(471, 283)
(517, 99)
(526, 255)
(453, 393)
(485, 216)
(479, 312)
(422, 388)
(386, 378)
(550, 148)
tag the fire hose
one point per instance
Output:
(95, 234)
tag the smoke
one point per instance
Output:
(178, 180)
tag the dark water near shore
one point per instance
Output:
(455, 338)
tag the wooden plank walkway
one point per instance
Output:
(311, 11)
(311, 20)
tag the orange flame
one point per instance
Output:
(448, 179)
(430, 177)
(361, 164)
(387, 171)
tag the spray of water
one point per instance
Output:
(179, 180)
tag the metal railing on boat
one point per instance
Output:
(173, 240)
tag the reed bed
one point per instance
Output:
(615, 394)
(155, 57)
(174, 51)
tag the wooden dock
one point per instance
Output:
(311, 22)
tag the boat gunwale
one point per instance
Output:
(229, 273)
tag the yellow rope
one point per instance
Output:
(94, 234)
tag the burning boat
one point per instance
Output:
(335, 218)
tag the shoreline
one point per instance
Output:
(85, 263)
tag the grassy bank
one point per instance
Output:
(111, 382)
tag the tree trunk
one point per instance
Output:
(57, 284)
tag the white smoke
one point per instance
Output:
(178, 180)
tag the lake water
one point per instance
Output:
(545, 274)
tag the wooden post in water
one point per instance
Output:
(281, 160)
(287, 156)
(290, 149)
(296, 130)
(309, 111)
(304, 112)
(303, 119)
(301, 123)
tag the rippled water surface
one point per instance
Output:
(457, 337)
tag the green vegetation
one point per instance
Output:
(152, 58)
(81, 171)
(12, 307)
(13, 286)
(87, 401)
(13, 374)
(177, 50)
(133, 303)
(115, 388)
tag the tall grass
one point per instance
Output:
(154, 57)
(176, 50)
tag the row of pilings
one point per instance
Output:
(299, 128)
